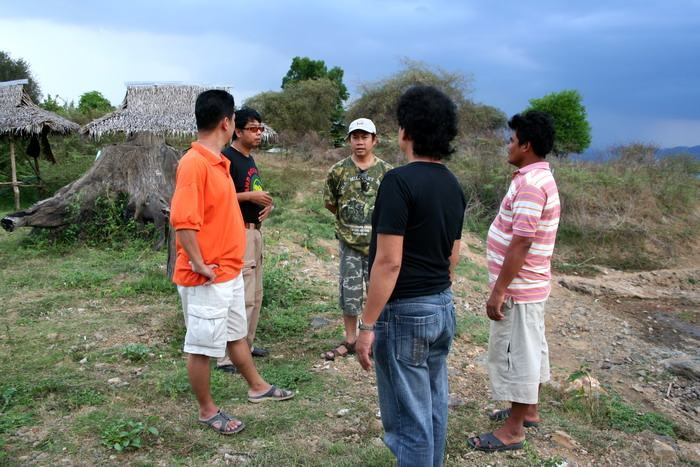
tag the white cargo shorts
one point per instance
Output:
(214, 315)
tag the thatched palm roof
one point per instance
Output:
(20, 116)
(160, 109)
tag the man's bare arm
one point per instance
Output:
(188, 240)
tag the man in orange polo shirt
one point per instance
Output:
(210, 248)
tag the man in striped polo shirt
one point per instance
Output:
(519, 251)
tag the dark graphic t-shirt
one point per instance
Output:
(245, 177)
(423, 202)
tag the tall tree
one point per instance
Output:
(572, 130)
(94, 104)
(304, 69)
(11, 69)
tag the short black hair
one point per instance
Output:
(534, 127)
(243, 116)
(211, 107)
(429, 117)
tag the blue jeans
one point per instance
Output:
(411, 341)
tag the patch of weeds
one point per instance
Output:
(282, 290)
(176, 384)
(127, 434)
(84, 397)
(476, 327)
(534, 459)
(583, 268)
(83, 279)
(287, 375)
(611, 411)
(283, 324)
(154, 283)
(136, 352)
(472, 271)
(477, 248)
(44, 306)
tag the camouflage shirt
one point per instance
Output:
(353, 191)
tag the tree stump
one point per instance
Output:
(143, 169)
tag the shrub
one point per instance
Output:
(127, 434)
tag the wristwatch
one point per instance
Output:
(365, 327)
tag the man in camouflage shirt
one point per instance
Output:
(349, 193)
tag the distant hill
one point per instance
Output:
(598, 155)
(694, 150)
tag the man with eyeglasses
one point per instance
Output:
(349, 193)
(256, 205)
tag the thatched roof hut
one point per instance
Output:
(19, 116)
(22, 118)
(159, 109)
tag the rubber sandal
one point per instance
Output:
(500, 415)
(219, 423)
(489, 443)
(348, 349)
(259, 352)
(228, 369)
(273, 394)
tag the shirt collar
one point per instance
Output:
(212, 158)
(530, 167)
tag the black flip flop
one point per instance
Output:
(500, 415)
(228, 369)
(489, 443)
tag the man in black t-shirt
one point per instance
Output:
(256, 205)
(409, 315)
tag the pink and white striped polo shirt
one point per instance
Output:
(529, 209)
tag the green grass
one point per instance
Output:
(475, 327)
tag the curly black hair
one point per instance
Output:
(243, 116)
(429, 118)
(534, 127)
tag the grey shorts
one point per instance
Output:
(518, 359)
(354, 275)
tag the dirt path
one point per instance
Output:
(627, 328)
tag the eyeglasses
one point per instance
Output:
(255, 129)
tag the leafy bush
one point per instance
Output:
(136, 352)
(127, 434)
(301, 107)
(378, 99)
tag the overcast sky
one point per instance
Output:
(636, 63)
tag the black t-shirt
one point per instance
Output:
(423, 202)
(245, 177)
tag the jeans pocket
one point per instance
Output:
(413, 337)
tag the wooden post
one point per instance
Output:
(15, 185)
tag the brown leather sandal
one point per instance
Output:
(342, 350)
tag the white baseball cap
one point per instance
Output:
(364, 124)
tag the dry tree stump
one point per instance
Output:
(142, 169)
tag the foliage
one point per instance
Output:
(621, 215)
(302, 107)
(304, 69)
(12, 69)
(378, 99)
(93, 104)
(126, 434)
(136, 352)
(572, 130)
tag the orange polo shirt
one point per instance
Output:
(205, 200)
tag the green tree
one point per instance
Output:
(572, 130)
(305, 69)
(94, 104)
(11, 69)
(302, 107)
